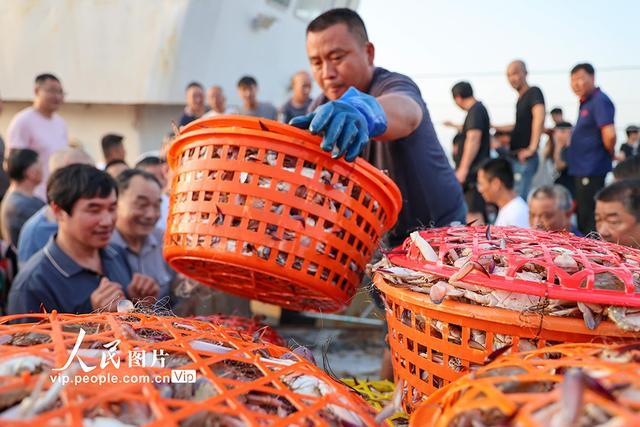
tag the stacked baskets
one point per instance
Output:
(428, 358)
(259, 210)
(564, 385)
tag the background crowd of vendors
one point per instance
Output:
(67, 216)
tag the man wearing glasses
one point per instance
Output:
(39, 127)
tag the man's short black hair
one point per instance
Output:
(78, 181)
(586, 67)
(41, 78)
(115, 162)
(556, 110)
(631, 129)
(563, 125)
(499, 168)
(246, 81)
(19, 161)
(124, 179)
(462, 89)
(193, 84)
(149, 161)
(332, 17)
(629, 168)
(627, 192)
(109, 142)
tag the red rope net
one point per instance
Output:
(604, 273)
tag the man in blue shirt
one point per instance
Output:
(42, 225)
(379, 114)
(78, 271)
(139, 203)
(593, 141)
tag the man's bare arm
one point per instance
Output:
(609, 138)
(403, 116)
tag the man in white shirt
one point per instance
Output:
(495, 184)
(39, 127)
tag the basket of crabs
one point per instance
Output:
(132, 369)
(593, 385)
(455, 295)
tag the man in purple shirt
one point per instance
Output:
(593, 142)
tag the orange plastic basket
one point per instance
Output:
(251, 327)
(239, 382)
(430, 343)
(526, 390)
(259, 210)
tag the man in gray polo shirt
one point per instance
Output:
(78, 271)
(140, 197)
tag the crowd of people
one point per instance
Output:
(79, 236)
(497, 166)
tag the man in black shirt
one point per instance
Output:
(526, 132)
(361, 102)
(474, 146)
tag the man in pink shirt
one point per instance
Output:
(39, 127)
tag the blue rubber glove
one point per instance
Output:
(347, 123)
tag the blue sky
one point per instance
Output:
(441, 42)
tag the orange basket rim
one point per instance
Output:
(500, 315)
(184, 254)
(255, 126)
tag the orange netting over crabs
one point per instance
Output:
(259, 210)
(546, 264)
(566, 385)
(249, 326)
(236, 381)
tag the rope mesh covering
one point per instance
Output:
(569, 384)
(607, 273)
(239, 381)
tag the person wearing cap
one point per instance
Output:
(630, 148)
(379, 114)
(591, 151)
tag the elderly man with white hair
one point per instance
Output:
(551, 209)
